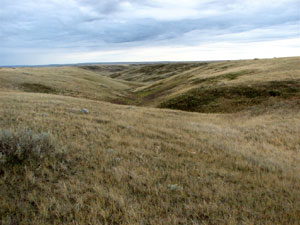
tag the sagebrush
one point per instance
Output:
(26, 145)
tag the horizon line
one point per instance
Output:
(129, 62)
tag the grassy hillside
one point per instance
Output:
(153, 72)
(200, 87)
(225, 78)
(68, 81)
(121, 164)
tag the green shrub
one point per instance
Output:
(25, 146)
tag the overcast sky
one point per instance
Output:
(73, 31)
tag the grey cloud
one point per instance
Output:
(107, 24)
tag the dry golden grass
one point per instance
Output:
(68, 81)
(137, 165)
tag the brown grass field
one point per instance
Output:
(229, 155)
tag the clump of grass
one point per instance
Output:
(25, 146)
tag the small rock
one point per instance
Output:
(86, 111)
(110, 150)
(174, 187)
(131, 107)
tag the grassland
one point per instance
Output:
(235, 162)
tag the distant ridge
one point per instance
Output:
(107, 63)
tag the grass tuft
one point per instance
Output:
(24, 146)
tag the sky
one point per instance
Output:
(35, 32)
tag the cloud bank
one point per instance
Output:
(70, 31)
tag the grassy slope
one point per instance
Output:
(222, 76)
(153, 72)
(238, 168)
(69, 81)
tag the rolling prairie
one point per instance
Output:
(176, 143)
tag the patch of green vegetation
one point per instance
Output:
(115, 75)
(233, 76)
(155, 72)
(90, 79)
(221, 66)
(159, 89)
(168, 69)
(93, 68)
(153, 92)
(152, 79)
(157, 68)
(107, 68)
(226, 76)
(38, 88)
(226, 67)
(232, 99)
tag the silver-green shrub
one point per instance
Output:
(18, 147)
